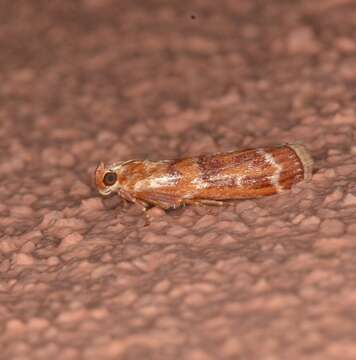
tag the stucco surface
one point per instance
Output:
(82, 277)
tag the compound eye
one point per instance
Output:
(109, 178)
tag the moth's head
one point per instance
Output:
(107, 178)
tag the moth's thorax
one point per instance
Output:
(132, 174)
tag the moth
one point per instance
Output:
(206, 179)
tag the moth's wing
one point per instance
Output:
(159, 199)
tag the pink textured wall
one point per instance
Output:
(85, 81)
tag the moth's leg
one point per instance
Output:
(163, 201)
(125, 203)
(128, 197)
(200, 202)
(142, 204)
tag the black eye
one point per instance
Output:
(109, 179)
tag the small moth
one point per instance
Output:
(206, 179)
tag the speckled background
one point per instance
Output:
(81, 277)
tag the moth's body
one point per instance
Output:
(249, 173)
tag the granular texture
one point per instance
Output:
(81, 276)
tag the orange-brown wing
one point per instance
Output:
(234, 175)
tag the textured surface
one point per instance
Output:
(84, 81)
